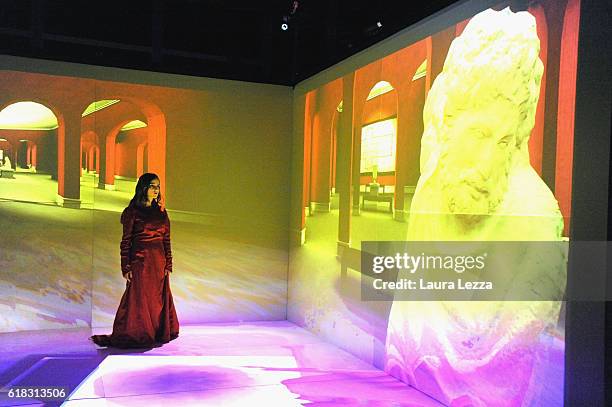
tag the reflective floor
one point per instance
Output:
(248, 364)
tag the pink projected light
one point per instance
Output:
(272, 364)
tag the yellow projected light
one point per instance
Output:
(34, 116)
(99, 105)
(134, 124)
(380, 88)
(421, 71)
(378, 146)
(27, 116)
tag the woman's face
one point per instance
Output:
(153, 190)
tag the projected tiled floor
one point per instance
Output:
(366, 224)
(27, 186)
(250, 364)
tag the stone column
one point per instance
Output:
(344, 163)
(69, 158)
(409, 131)
(34, 158)
(321, 161)
(107, 161)
(437, 49)
(356, 125)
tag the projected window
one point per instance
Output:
(378, 146)
(380, 88)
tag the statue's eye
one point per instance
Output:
(505, 140)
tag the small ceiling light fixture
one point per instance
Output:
(285, 24)
(373, 29)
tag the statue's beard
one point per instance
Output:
(469, 196)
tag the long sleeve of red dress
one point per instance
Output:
(167, 247)
(127, 219)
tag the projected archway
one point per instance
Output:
(89, 143)
(137, 118)
(320, 198)
(374, 158)
(28, 134)
(378, 143)
(125, 129)
(130, 150)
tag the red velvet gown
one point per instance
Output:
(146, 314)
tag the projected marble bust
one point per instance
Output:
(477, 184)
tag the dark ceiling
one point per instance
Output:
(238, 39)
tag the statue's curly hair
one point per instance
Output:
(496, 57)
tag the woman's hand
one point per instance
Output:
(128, 276)
(166, 273)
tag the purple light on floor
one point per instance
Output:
(262, 363)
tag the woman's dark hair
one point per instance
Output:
(140, 193)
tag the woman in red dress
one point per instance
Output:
(146, 314)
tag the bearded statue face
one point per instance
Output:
(479, 144)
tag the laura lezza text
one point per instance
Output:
(423, 284)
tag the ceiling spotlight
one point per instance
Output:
(294, 6)
(373, 29)
(285, 24)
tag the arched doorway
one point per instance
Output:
(89, 177)
(131, 151)
(129, 116)
(378, 145)
(127, 144)
(29, 140)
(374, 161)
(320, 197)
